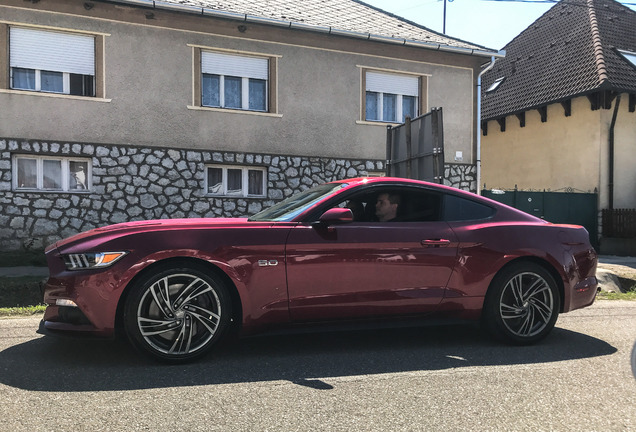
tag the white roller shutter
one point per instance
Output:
(52, 51)
(405, 85)
(232, 65)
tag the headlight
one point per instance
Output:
(91, 260)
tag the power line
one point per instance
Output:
(550, 1)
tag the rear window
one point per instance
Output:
(461, 209)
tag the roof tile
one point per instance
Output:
(569, 51)
(349, 15)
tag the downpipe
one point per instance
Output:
(611, 152)
(478, 128)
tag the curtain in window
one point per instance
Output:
(23, 79)
(258, 94)
(215, 180)
(233, 94)
(408, 107)
(27, 173)
(389, 105)
(52, 81)
(234, 181)
(372, 106)
(52, 174)
(211, 90)
(255, 182)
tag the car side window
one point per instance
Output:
(461, 209)
(420, 206)
(395, 205)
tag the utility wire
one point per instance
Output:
(551, 1)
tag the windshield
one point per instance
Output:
(291, 207)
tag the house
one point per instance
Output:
(134, 109)
(559, 109)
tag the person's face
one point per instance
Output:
(384, 210)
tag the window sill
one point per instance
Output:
(51, 191)
(377, 123)
(234, 111)
(210, 195)
(54, 95)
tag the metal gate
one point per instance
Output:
(568, 206)
(415, 149)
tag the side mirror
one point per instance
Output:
(336, 215)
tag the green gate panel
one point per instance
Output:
(556, 207)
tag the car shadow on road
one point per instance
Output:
(53, 364)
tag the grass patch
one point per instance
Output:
(629, 295)
(21, 296)
(22, 311)
(23, 258)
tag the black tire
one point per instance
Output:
(522, 304)
(177, 314)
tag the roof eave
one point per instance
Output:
(195, 10)
(605, 87)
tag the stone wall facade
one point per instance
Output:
(461, 176)
(135, 183)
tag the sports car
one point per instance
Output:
(356, 250)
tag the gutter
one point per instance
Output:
(478, 127)
(197, 10)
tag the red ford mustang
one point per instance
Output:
(359, 249)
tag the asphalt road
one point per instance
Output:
(423, 379)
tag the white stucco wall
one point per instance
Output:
(564, 152)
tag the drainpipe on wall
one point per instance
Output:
(478, 128)
(611, 152)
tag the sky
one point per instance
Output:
(490, 23)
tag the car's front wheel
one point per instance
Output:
(178, 313)
(522, 304)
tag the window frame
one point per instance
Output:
(421, 102)
(245, 169)
(65, 173)
(271, 83)
(98, 89)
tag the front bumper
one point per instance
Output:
(81, 301)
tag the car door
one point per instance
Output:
(366, 269)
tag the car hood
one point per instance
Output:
(111, 232)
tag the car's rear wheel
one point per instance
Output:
(177, 314)
(522, 304)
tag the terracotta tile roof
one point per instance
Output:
(349, 15)
(569, 51)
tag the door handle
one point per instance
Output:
(435, 242)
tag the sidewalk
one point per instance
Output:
(618, 260)
(24, 271)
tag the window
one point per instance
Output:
(391, 98)
(52, 62)
(235, 181)
(629, 56)
(234, 82)
(51, 173)
(495, 85)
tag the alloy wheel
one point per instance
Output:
(526, 304)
